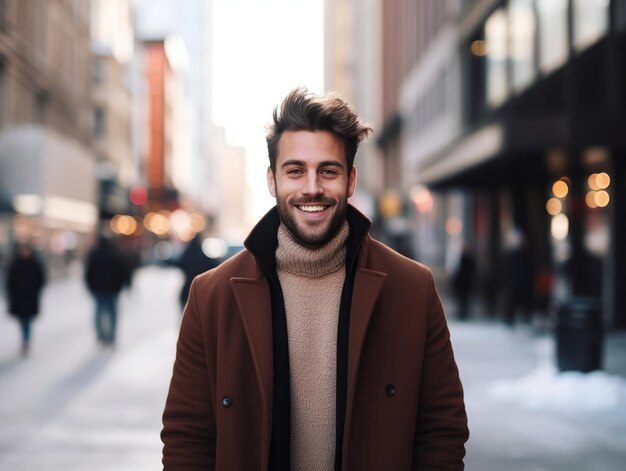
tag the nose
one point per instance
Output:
(313, 184)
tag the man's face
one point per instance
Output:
(311, 185)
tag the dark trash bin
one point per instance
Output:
(579, 334)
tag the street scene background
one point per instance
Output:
(132, 158)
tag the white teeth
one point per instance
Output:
(312, 209)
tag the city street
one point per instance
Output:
(73, 406)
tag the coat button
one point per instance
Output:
(390, 390)
(227, 401)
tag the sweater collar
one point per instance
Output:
(263, 239)
(299, 260)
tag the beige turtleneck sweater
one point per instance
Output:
(312, 281)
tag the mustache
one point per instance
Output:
(319, 200)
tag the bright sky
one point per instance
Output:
(261, 50)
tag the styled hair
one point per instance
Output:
(304, 111)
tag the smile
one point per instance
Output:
(312, 208)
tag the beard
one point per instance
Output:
(313, 234)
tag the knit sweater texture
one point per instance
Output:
(312, 281)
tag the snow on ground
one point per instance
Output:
(548, 389)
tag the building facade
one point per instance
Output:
(47, 168)
(511, 116)
(112, 47)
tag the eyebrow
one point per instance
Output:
(301, 163)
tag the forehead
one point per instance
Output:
(310, 146)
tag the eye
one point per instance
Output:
(294, 171)
(329, 172)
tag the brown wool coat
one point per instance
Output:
(218, 410)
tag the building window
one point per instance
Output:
(591, 22)
(496, 57)
(99, 126)
(522, 26)
(552, 15)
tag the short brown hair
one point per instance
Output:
(304, 111)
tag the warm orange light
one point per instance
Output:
(554, 206)
(602, 198)
(157, 223)
(479, 48)
(390, 204)
(560, 189)
(198, 222)
(592, 182)
(123, 224)
(590, 199)
(603, 180)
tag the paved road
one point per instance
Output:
(72, 406)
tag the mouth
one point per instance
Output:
(312, 208)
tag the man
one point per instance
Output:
(317, 347)
(105, 276)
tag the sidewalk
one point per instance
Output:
(72, 406)
(524, 415)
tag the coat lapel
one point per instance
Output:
(367, 285)
(253, 300)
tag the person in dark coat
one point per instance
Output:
(105, 275)
(516, 278)
(25, 279)
(192, 262)
(462, 282)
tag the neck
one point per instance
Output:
(300, 260)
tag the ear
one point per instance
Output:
(352, 182)
(271, 182)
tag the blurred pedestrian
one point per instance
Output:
(316, 347)
(24, 282)
(516, 278)
(105, 275)
(192, 262)
(462, 281)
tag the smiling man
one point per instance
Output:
(317, 347)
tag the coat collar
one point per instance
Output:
(262, 240)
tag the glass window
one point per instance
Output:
(522, 26)
(496, 41)
(591, 21)
(552, 34)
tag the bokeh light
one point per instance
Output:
(560, 189)
(554, 206)
(559, 227)
(454, 226)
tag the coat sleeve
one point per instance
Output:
(188, 431)
(441, 429)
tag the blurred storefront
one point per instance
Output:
(536, 153)
(47, 168)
